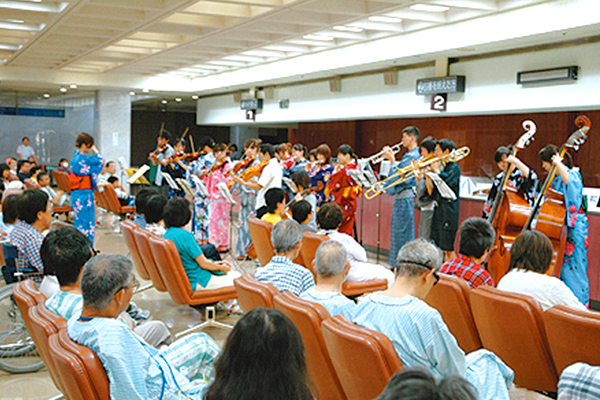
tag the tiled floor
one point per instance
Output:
(38, 385)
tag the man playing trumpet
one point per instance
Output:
(403, 218)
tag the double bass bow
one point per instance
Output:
(549, 211)
(509, 211)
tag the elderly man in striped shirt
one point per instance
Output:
(417, 330)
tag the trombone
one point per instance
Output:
(378, 157)
(408, 172)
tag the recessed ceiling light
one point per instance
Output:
(163, 101)
(47, 95)
(145, 90)
(318, 37)
(388, 20)
(132, 93)
(15, 21)
(347, 29)
(194, 97)
(178, 99)
(73, 86)
(63, 90)
(429, 8)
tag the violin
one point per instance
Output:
(187, 157)
(251, 172)
(158, 151)
(243, 164)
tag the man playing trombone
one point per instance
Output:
(403, 218)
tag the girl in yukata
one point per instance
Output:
(568, 182)
(199, 168)
(219, 215)
(321, 172)
(177, 167)
(247, 200)
(343, 190)
(86, 165)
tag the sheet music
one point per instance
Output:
(143, 169)
(222, 186)
(185, 186)
(201, 187)
(290, 184)
(359, 178)
(170, 181)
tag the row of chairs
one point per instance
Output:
(75, 370)
(345, 361)
(260, 232)
(537, 345)
(157, 259)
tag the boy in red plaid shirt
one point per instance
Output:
(476, 239)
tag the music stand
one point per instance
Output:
(222, 186)
(201, 187)
(136, 175)
(170, 181)
(186, 187)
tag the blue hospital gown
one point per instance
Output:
(138, 371)
(422, 339)
(82, 201)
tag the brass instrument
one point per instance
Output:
(408, 172)
(378, 157)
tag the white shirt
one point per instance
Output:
(25, 151)
(547, 290)
(103, 178)
(356, 253)
(270, 178)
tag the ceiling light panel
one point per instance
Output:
(429, 8)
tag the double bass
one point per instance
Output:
(549, 212)
(509, 212)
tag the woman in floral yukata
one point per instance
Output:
(86, 165)
(568, 182)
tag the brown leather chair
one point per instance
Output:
(307, 316)
(82, 373)
(260, 232)
(310, 244)
(511, 325)
(572, 336)
(451, 298)
(178, 285)
(364, 360)
(27, 295)
(141, 236)
(62, 180)
(112, 201)
(254, 294)
(127, 228)
(41, 330)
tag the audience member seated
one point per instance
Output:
(332, 266)
(57, 198)
(304, 192)
(13, 165)
(418, 331)
(64, 253)
(23, 169)
(154, 214)
(302, 213)
(35, 216)
(202, 272)
(275, 199)
(9, 214)
(329, 218)
(418, 384)
(263, 358)
(140, 205)
(281, 272)
(124, 198)
(63, 166)
(135, 369)
(109, 169)
(579, 382)
(530, 259)
(476, 239)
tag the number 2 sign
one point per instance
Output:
(438, 101)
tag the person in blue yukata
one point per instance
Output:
(86, 165)
(403, 214)
(332, 266)
(136, 370)
(281, 272)
(418, 331)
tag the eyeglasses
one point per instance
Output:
(135, 285)
(436, 276)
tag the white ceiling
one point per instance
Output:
(206, 46)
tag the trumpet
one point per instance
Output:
(378, 157)
(408, 172)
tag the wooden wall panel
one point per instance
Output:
(333, 133)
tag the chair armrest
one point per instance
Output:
(356, 288)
